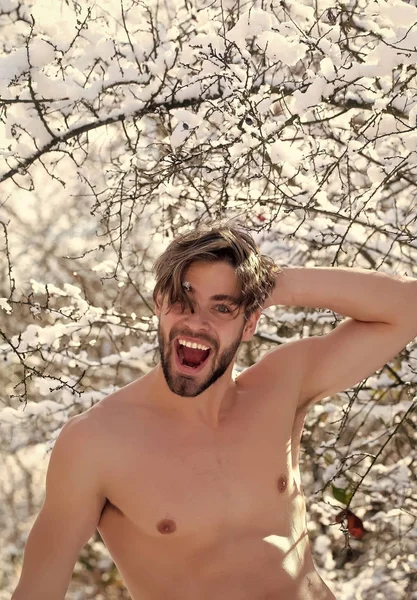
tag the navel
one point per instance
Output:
(282, 483)
(166, 526)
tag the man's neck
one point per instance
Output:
(210, 408)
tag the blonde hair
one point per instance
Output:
(217, 241)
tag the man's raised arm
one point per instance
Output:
(362, 294)
(69, 516)
(383, 320)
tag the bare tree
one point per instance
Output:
(126, 123)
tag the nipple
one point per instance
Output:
(166, 526)
(282, 483)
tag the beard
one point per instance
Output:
(189, 386)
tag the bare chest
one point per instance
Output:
(166, 479)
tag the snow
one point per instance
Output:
(282, 151)
(4, 305)
(312, 97)
(400, 13)
(277, 47)
(328, 69)
(40, 53)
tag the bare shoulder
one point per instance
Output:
(115, 407)
(80, 435)
(88, 428)
(86, 440)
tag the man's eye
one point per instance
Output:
(224, 306)
(223, 309)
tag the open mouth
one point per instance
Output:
(190, 359)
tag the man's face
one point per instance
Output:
(216, 323)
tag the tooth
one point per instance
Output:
(192, 345)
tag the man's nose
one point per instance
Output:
(200, 315)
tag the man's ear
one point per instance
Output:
(250, 326)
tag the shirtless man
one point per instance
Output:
(192, 477)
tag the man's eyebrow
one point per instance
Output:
(231, 299)
(228, 297)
